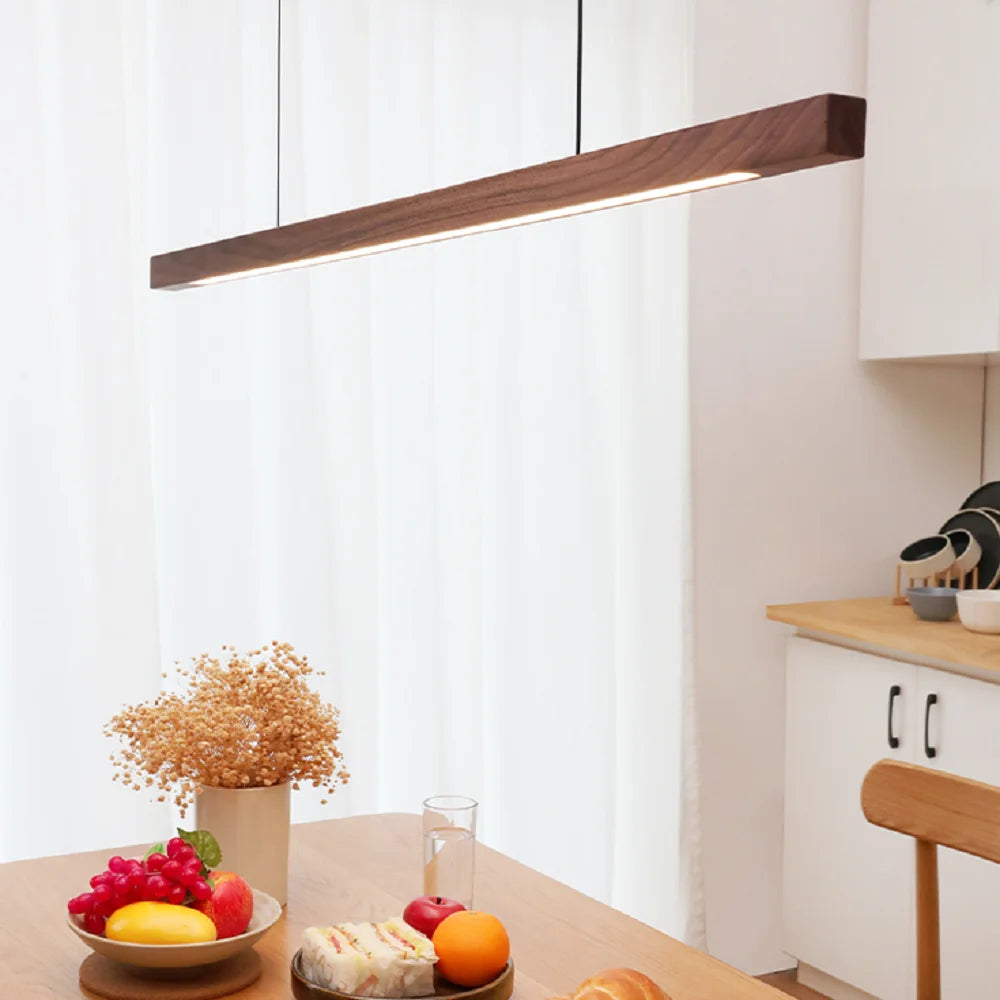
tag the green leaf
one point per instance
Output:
(155, 849)
(205, 844)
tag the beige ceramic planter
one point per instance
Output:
(251, 826)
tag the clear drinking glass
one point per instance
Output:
(450, 847)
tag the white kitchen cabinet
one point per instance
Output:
(848, 886)
(965, 732)
(930, 280)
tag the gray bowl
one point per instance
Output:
(933, 604)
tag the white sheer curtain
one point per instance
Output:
(78, 588)
(456, 476)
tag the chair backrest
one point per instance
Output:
(934, 808)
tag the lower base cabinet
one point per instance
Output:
(966, 736)
(849, 893)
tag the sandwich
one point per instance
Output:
(387, 959)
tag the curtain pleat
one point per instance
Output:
(78, 590)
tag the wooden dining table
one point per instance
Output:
(366, 868)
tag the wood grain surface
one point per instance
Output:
(934, 806)
(928, 922)
(878, 621)
(777, 140)
(787, 983)
(365, 868)
(113, 981)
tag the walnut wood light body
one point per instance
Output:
(365, 868)
(776, 140)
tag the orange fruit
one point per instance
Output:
(472, 947)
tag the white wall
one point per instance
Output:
(991, 425)
(810, 470)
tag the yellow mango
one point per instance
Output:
(159, 923)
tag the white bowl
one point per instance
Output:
(266, 913)
(979, 610)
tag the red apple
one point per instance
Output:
(230, 906)
(425, 912)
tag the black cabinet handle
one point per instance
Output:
(928, 749)
(894, 692)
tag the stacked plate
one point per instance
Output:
(968, 541)
(980, 517)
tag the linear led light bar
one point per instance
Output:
(776, 140)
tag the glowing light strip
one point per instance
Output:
(651, 194)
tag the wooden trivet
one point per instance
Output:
(115, 981)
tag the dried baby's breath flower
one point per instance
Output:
(240, 721)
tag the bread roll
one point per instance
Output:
(619, 984)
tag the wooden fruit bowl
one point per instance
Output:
(498, 989)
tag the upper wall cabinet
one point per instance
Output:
(930, 257)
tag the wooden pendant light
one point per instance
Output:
(776, 140)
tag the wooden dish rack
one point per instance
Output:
(945, 579)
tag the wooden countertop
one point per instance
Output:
(363, 868)
(879, 622)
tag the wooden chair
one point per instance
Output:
(934, 808)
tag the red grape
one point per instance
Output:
(188, 878)
(168, 876)
(158, 886)
(80, 904)
(200, 889)
(172, 869)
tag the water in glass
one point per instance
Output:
(449, 860)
